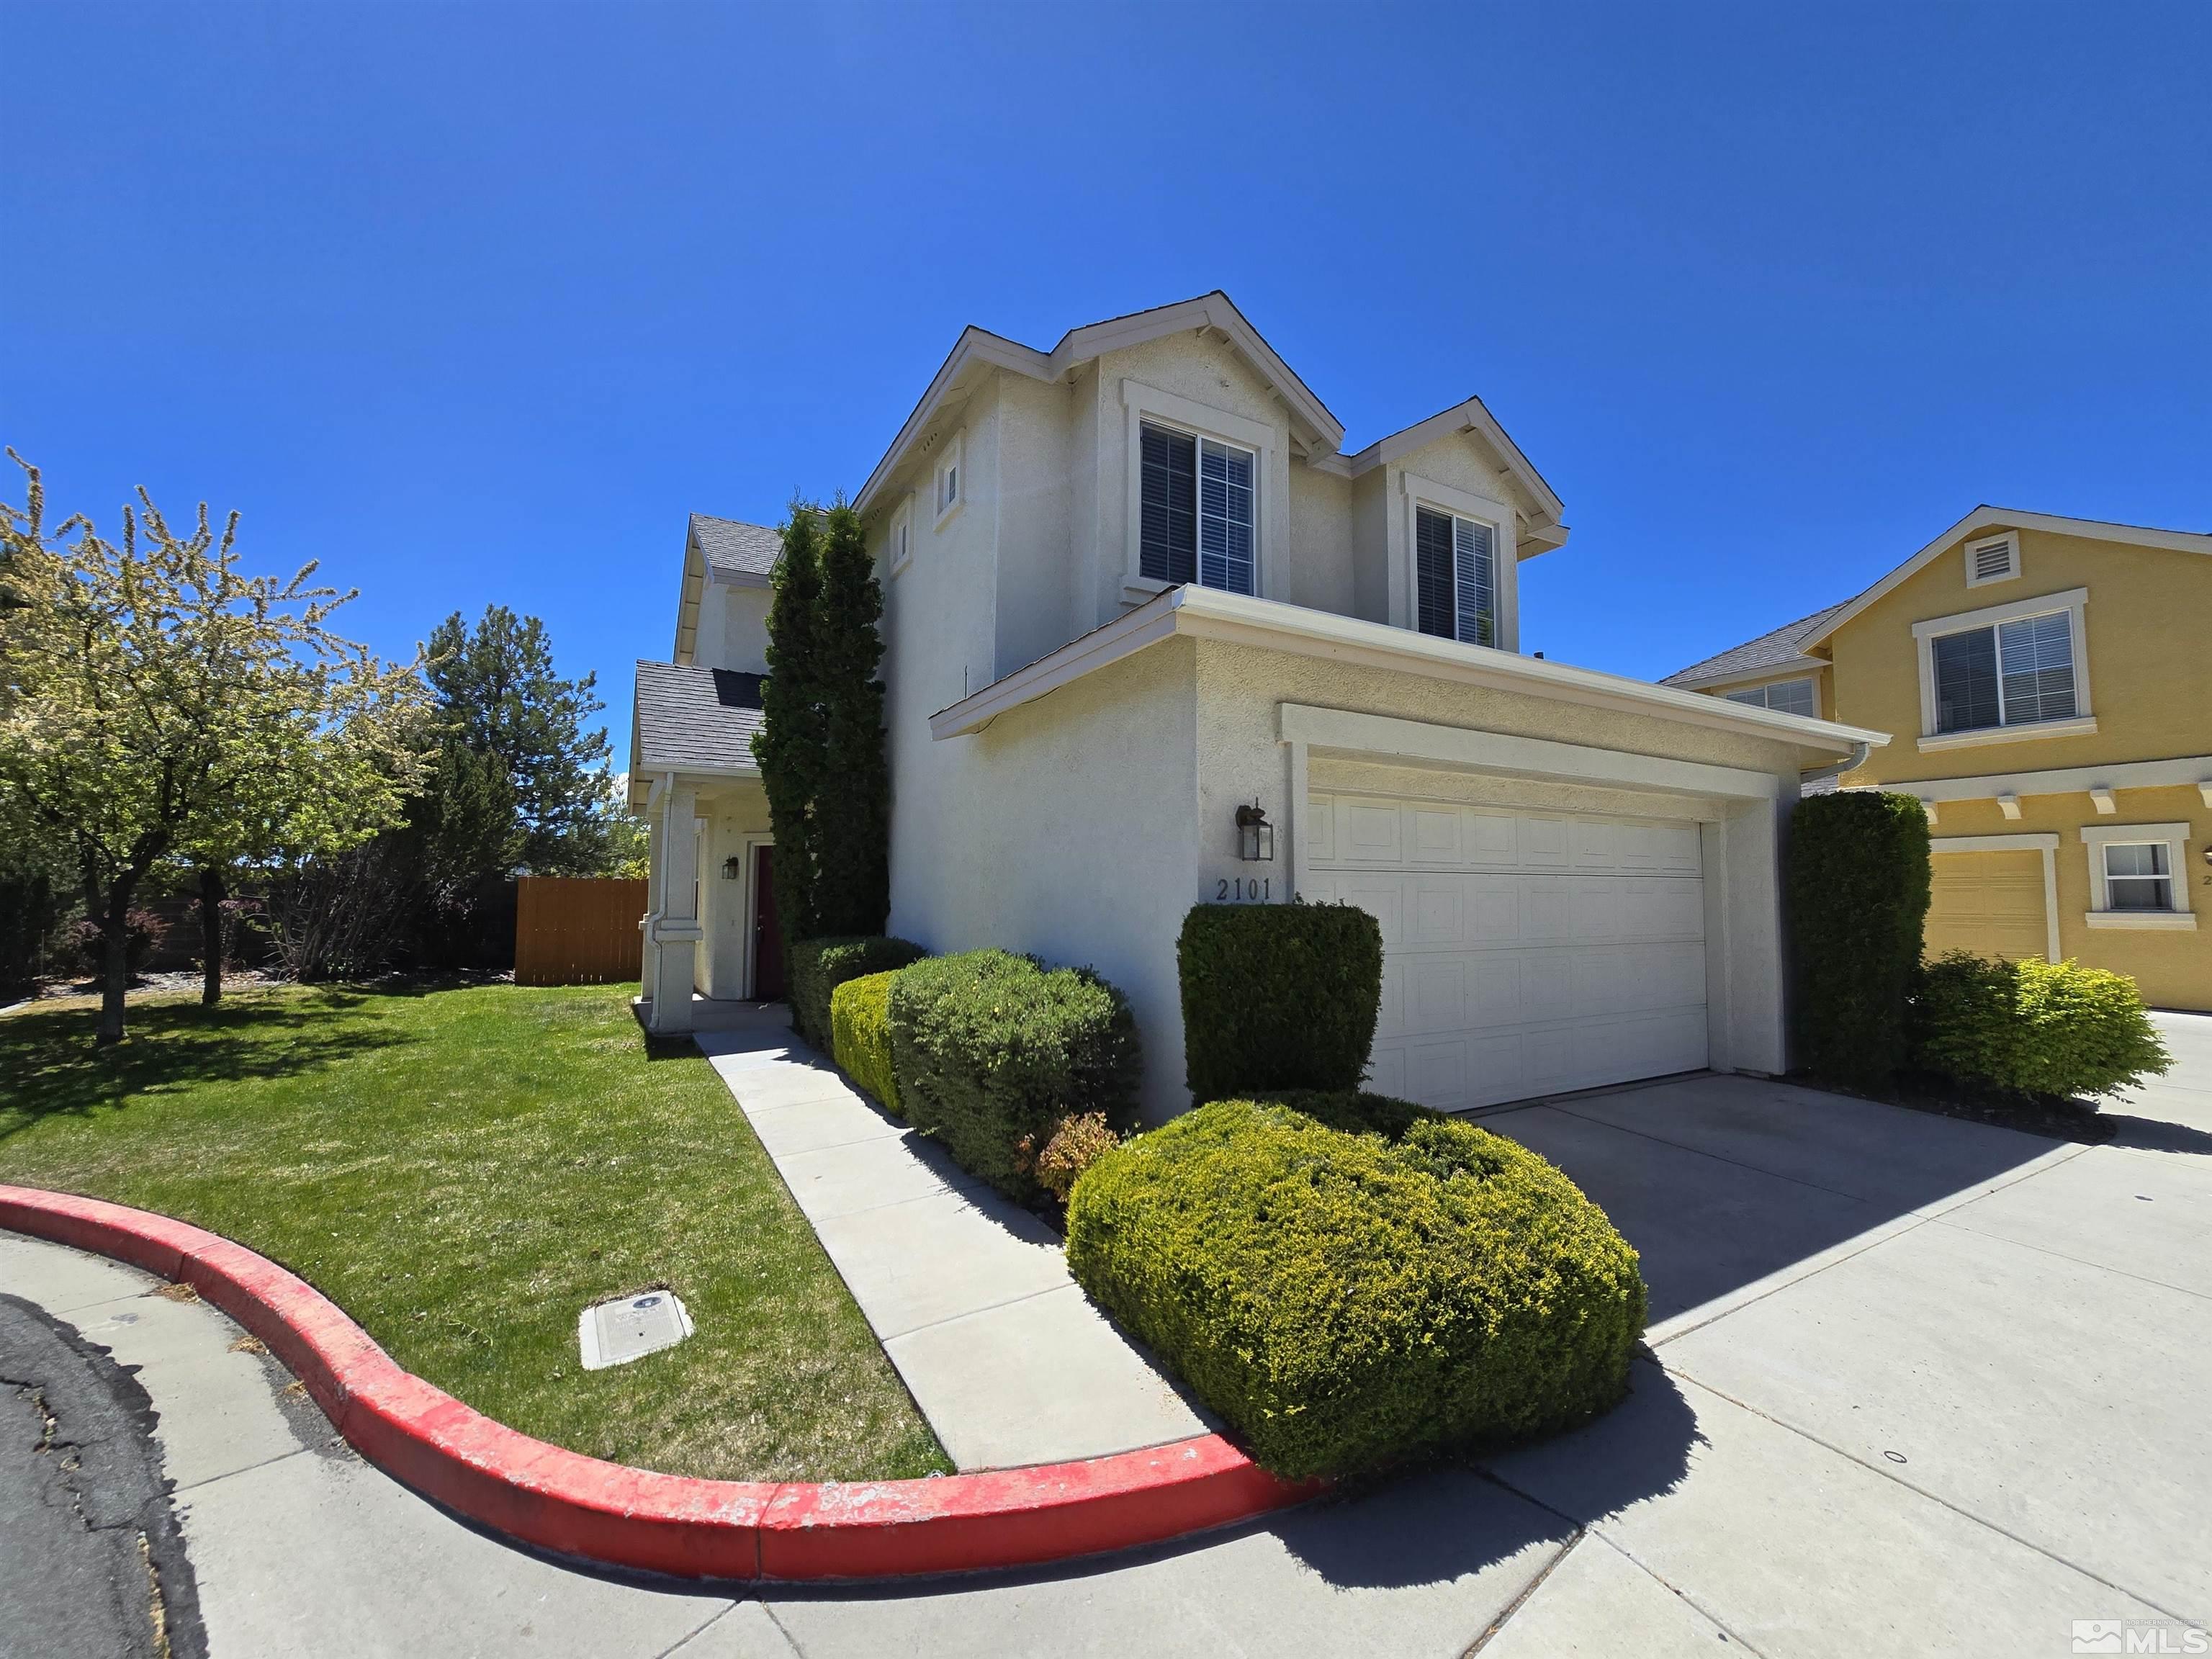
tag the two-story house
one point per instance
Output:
(2056, 675)
(1154, 637)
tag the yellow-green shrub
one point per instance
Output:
(2034, 1027)
(1346, 1301)
(860, 1034)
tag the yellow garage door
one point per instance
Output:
(1990, 903)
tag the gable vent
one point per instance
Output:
(1992, 561)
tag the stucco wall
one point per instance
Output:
(1065, 829)
(733, 628)
(2151, 672)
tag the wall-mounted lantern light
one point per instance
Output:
(1255, 836)
(734, 867)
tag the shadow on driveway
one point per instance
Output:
(1721, 1182)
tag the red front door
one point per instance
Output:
(768, 937)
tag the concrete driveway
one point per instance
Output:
(1914, 1386)
(2182, 1099)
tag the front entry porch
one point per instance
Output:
(712, 954)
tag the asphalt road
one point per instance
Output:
(91, 1563)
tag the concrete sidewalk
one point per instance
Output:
(967, 1292)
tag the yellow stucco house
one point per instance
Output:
(2049, 684)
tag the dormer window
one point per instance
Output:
(1455, 573)
(1199, 517)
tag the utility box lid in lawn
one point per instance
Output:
(631, 1326)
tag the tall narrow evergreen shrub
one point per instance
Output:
(851, 823)
(1858, 886)
(789, 745)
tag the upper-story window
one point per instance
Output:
(950, 483)
(1783, 697)
(1455, 562)
(900, 539)
(1199, 520)
(2011, 673)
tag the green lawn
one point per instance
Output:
(462, 1170)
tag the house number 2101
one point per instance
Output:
(1238, 890)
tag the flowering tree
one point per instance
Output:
(157, 703)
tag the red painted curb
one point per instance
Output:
(561, 1501)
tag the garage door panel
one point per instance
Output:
(1990, 903)
(1523, 953)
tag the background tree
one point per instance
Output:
(789, 745)
(153, 699)
(499, 698)
(852, 795)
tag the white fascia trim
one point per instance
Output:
(1268, 625)
(1339, 731)
(1993, 517)
(1473, 416)
(675, 770)
(1081, 345)
(721, 578)
(2184, 772)
(1793, 668)
(2084, 726)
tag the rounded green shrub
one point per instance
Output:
(992, 1050)
(1346, 1301)
(860, 1034)
(1278, 996)
(2034, 1027)
(820, 966)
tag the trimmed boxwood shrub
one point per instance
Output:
(1347, 1301)
(992, 1049)
(1858, 884)
(820, 966)
(2034, 1027)
(1278, 996)
(860, 1034)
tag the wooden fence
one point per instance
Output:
(576, 931)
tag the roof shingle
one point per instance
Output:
(735, 548)
(1768, 651)
(694, 717)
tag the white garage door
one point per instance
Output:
(1523, 953)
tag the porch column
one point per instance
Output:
(672, 932)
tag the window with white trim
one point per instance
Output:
(950, 482)
(2138, 875)
(900, 542)
(2012, 673)
(1993, 559)
(1199, 510)
(1783, 697)
(1455, 578)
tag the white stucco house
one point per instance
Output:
(1135, 588)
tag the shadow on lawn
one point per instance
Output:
(52, 1068)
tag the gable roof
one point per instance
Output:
(1782, 648)
(735, 550)
(1986, 516)
(1790, 645)
(978, 351)
(693, 719)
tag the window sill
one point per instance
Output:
(947, 515)
(2084, 726)
(2163, 920)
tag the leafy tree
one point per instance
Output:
(851, 795)
(156, 702)
(499, 698)
(628, 842)
(789, 746)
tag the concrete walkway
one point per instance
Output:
(969, 1293)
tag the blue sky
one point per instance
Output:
(476, 303)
